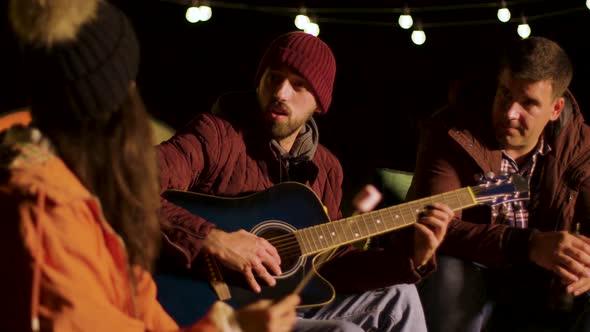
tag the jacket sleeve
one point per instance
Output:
(186, 160)
(332, 197)
(582, 208)
(440, 167)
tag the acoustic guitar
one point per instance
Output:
(292, 218)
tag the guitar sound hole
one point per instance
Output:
(281, 237)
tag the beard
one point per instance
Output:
(281, 130)
(283, 127)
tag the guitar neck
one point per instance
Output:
(334, 234)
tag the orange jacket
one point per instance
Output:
(64, 266)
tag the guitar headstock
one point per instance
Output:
(502, 189)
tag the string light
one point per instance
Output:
(524, 30)
(196, 14)
(280, 10)
(206, 13)
(418, 35)
(193, 14)
(302, 20)
(504, 13)
(312, 28)
(405, 19)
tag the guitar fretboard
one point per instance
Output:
(333, 234)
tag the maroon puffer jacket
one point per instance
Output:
(215, 157)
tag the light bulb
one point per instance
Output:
(193, 14)
(524, 30)
(206, 13)
(301, 21)
(588, 4)
(504, 14)
(418, 37)
(312, 29)
(405, 21)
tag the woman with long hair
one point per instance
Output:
(79, 185)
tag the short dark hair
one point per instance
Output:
(538, 59)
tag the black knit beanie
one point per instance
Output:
(85, 76)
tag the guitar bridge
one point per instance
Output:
(216, 279)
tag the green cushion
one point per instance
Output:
(161, 131)
(394, 185)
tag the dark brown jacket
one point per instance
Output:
(457, 147)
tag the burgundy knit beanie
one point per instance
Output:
(310, 57)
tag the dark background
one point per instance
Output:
(384, 83)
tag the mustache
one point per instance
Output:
(278, 106)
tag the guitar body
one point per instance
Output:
(275, 212)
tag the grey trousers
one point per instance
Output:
(396, 308)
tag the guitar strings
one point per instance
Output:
(288, 243)
(288, 246)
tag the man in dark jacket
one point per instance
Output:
(256, 140)
(511, 267)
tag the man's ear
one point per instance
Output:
(558, 106)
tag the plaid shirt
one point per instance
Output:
(516, 214)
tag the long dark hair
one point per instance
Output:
(113, 155)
